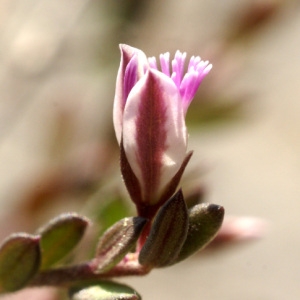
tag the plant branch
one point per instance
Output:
(67, 276)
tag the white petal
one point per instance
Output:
(170, 117)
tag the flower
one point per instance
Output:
(149, 120)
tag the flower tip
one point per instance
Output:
(208, 68)
(122, 46)
(152, 62)
(165, 55)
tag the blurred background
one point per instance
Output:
(58, 153)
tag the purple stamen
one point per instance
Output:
(188, 83)
(165, 63)
(194, 61)
(178, 67)
(152, 62)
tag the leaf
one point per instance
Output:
(167, 235)
(20, 258)
(204, 222)
(117, 241)
(60, 236)
(104, 291)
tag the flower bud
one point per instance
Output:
(149, 119)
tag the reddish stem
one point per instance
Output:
(67, 276)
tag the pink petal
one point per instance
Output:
(122, 89)
(154, 132)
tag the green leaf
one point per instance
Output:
(20, 258)
(104, 291)
(204, 222)
(117, 241)
(60, 236)
(167, 235)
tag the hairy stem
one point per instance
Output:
(67, 276)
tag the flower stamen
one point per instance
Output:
(152, 62)
(165, 63)
(188, 83)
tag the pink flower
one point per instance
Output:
(149, 119)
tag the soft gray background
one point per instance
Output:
(63, 54)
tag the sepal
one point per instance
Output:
(167, 234)
(130, 179)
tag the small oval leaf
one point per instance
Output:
(167, 235)
(104, 291)
(117, 241)
(20, 258)
(204, 222)
(60, 236)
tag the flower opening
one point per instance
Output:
(187, 83)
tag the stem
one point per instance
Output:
(67, 276)
(144, 235)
